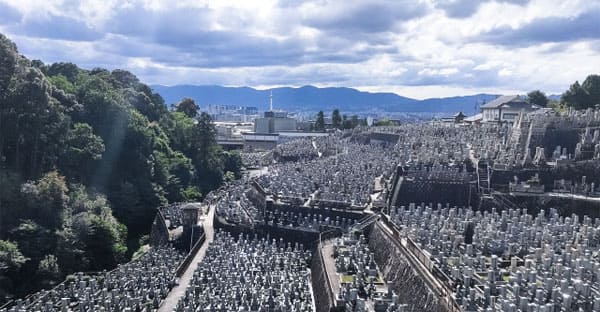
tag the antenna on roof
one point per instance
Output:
(271, 101)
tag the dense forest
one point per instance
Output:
(86, 157)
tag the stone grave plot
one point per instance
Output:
(306, 222)
(361, 284)
(139, 285)
(247, 274)
(509, 260)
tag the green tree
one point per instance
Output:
(179, 128)
(34, 126)
(320, 122)
(48, 271)
(8, 63)
(67, 70)
(11, 257)
(208, 164)
(187, 106)
(336, 119)
(575, 97)
(537, 97)
(11, 261)
(105, 244)
(591, 86)
(557, 106)
(232, 162)
(191, 193)
(65, 131)
(61, 82)
(82, 150)
(46, 199)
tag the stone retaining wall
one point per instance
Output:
(159, 233)
(323, 297)
(401, 277)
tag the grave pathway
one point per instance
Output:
(178, 291)
(334, 280)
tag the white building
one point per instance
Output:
(506, 108)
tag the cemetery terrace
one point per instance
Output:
(350, 222)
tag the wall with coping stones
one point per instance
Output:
(308, 239)
(404, 280)
(323, 297)
(325, 212)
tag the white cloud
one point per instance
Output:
(418, 48)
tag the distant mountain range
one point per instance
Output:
(311, 99)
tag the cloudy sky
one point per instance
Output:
(421, 49)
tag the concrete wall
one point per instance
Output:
(456, 194)
(565, 206)
(348, 214)
(274, 125)
(308, 239)
(401, 277)
(284, 124)
(323, 296)
(261, 125)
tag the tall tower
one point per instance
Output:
(271, 101)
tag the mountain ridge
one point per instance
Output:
(310, 98)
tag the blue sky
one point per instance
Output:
(420, 49)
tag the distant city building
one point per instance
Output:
(251, 110)
(506, 109)
(260, 141)
(232, 113)
(274, 121)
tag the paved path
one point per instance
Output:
(178, 291)
(334, 280)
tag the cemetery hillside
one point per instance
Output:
(114, 199)
(86, 157)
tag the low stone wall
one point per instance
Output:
(401, 277)
(307, 238)
(159, 233)
(321, 289)
(325, 212)
(190, 256)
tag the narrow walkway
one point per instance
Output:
(178, 291)
(334, 279)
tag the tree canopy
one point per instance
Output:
(320, 122)
(537, 97)
(336, 119)
(86, 157)
(188, 106)
(583, 96)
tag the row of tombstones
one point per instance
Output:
(498, 258)
(139, 285)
